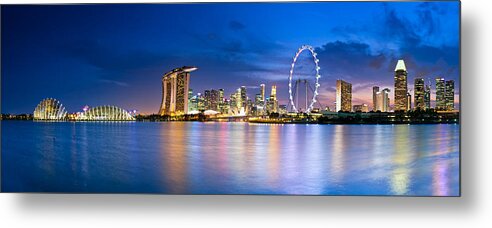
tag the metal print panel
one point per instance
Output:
(312, 98)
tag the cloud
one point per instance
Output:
(118, 83)
(114, 63)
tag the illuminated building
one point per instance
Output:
(272, 101)
(262, 93)
(175, 86)
(49, 109)
(409, 102)
(108, 113)
(419, 94)
(258, 100)
(375, 89)
(360, 108)
(449, 95)
(401, 99)
(244, 97)
(282, 109)
(200, 102)
(344, 96)
(382, 100)
(440, 94)
(214, 100)
(225, 106)
(192, 102)
(206, 97)
(236, 103)
(221, 96)
(427, 96)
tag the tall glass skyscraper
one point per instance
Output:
(419, 94)
(375, 90)
(401, 99)
(344, 96)
(383, 101)
(262, 93)
(427, 96)
(440, 94)
(450, 95)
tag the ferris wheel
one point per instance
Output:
(297, 83)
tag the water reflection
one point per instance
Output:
(224, 158)
(400, 177)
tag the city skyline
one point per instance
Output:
(123, 66)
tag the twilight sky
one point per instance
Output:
(117, 54)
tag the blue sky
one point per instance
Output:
(116, 54)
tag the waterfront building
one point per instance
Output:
(344, 96)
(236, 103)
(258, 100)
(409, 102)
(360, 108)
(382, 100)
(427, 96)
(272, 101)
(244, 98)
(440, 94)
(401, 98)
(224, 107)
(375, 90)
(221, 95)
(108, 113)
(192, 102)
(214, 100)
(282, 109)
(449, 95)
(200, 102)
(49, 109)
(207, 98)
(262, 94)
(175, 85)
(419, 94)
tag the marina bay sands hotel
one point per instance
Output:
(175, 85)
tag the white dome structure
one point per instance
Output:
(108, 113)
(49, 109)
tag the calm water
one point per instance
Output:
(236, 158)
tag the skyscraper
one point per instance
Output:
(175, 85)
(221, 96)
(244, 98)
(344, 96)
(419, 94)
(440, 94)
(375, 90)
(207, 97)
(450, 95)
(382, 100)
(427, 96)
(214, 100)
(239, 101)
(262, 93)
(192, 102)
(273, 93)
(401, 98)
(409, 102)
(272, 101)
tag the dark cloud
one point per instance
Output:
(348, 58)
(112, 60)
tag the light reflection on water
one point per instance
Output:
(230, 158)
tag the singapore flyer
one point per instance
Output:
(317, 76)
